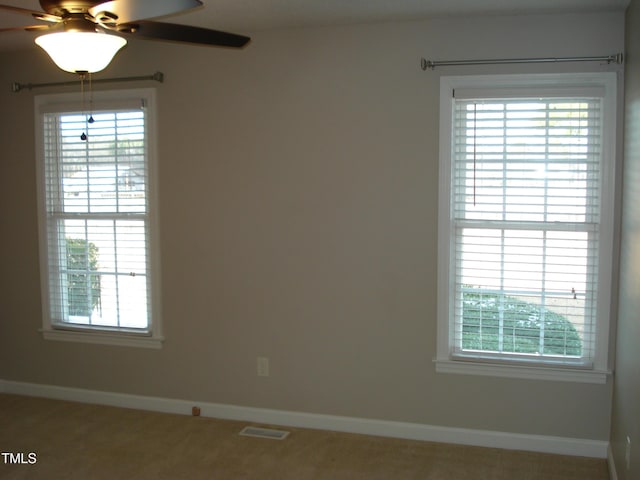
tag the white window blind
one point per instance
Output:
(96, 202)
(525, 217)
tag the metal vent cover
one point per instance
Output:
(264, 433)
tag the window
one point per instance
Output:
(97, 218)
(526, 229)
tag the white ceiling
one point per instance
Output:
(246, 16)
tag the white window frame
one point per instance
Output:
(506, 85)
(104, 100)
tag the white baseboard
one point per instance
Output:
(411, 431)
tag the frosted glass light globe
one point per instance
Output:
(81, 52)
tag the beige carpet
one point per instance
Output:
(85, 442)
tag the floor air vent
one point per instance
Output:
(264, 433)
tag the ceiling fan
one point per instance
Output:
(74, 25)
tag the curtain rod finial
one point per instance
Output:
(424, 64)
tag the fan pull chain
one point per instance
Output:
(91, 120)
(83, 137)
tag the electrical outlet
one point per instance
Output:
(627, 453)
(263, 366)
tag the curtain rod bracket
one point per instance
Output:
(429, 64)
(18, 87)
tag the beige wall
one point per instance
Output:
(298, 211)
(626, 400)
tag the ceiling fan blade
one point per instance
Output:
(183, 33)
(126, 11)
(34, 13)
(33, 28)
(28, 28)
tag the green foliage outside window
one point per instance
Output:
(526, 328)
(83, 286)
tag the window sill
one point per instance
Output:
(522, 371)
(104, 338)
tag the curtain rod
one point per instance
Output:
(17, 87)
(617, 58)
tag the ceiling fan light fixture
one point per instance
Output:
(81, 52)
